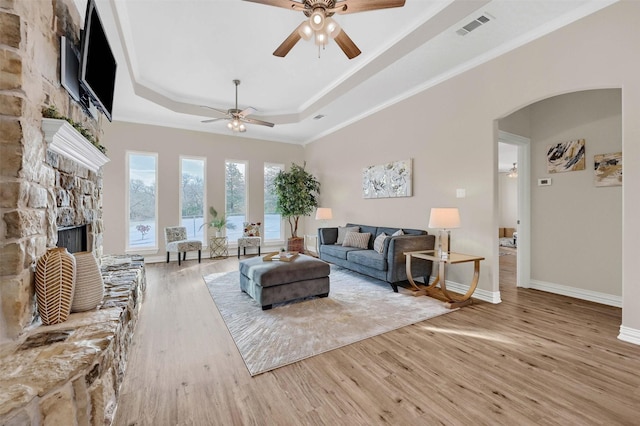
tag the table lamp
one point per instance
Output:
(324, 214)
(444, 218)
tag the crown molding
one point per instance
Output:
(63, 139)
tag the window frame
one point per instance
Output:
(280, 239)
(127, 212)
(205, 235)
(246, 194)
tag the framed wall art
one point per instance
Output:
(566, 156)
(608, 169)
(387, 180)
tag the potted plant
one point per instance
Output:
(296, 195)
(218, 222)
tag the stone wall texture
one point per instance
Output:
(39, 190)
(70, 373)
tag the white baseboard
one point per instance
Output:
(233, 252)
(578, 293)
(630, 335)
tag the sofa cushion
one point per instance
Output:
(357, 239)
(378, 243)
(342, 232)
(337, 251)
(373, 230)
(369, 258)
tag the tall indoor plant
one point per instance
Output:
(297, 194)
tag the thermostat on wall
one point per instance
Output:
(544, 182)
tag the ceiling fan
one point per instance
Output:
(321, 26)
(237, 117)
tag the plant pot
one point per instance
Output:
(55, 285)
(218, 234)
(295, 244)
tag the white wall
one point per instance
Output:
(171, 144)
(453, 141)
(572, 219)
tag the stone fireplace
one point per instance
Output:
(50, 178)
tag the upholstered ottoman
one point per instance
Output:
(276, 281)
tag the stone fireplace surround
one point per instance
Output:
(68, 373)
(49, 177)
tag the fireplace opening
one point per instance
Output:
(74, 238)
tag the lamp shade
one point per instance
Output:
(444, 218)
(323, 213)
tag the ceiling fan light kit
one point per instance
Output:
(237, 117)
(321, 25)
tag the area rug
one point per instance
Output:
(357, 308)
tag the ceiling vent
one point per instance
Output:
(318, 117)
(481, 20)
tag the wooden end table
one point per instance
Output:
(441, 292)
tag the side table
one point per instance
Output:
(441, 293)
(218, 247)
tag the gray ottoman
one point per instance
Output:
(277, 281)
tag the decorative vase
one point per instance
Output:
(55, 284)
(89, 285)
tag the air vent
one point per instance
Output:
(318, 117)
(481, 20)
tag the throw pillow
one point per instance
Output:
(398, 232)
(251, 229)
(342, 232)
(357, 239)
(378, 243)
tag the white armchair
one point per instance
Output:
(175, 239)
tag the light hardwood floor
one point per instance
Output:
(534, 359)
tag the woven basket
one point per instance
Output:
(89, 285)
(55, 282)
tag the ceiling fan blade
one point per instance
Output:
(211, 120)
(247, 111)
(221, 111)
(287, 4)
(288, 43)
(256, 121)
(354, 6)
(347, 45)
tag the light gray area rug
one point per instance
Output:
(357, 308)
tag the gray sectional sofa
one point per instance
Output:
(387, 266)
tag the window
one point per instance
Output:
(192, 196)
(272, 219)
(235, 198)
(142, 218)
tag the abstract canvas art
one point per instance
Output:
(566, 156)
(387, 180)
(608, 169)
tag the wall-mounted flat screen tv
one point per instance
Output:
(97, 63)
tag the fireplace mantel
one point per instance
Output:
(62, 138)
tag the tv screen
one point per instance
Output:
(98, 65)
